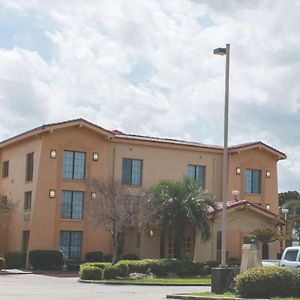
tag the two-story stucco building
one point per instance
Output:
(45, 170)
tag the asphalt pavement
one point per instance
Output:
(66, 287)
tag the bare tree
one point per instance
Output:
(6, 207)
(115, 207)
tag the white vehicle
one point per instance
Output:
(290, 258)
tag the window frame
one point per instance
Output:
(70, 206)
(131, 172)
(5, 168)
(203, 167)
(252, 189)
(29, 166)
(72, 177)
(70, 246)
(27, 200)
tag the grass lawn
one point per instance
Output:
(191, 280)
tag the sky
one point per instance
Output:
(147, 67)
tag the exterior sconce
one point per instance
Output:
(93, 195)
(95, 156)
(151, 232)
(268, 206)
(53, 153)
(238, 171)
(268, 174)
(52, 193)
(235, 193)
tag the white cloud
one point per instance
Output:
(147, 67)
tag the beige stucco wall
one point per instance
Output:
(240, 222)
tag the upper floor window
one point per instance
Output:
(132, 171)
(252, 181)
(197, 173)
(72, 205)
(5, 168)
(27, 200)
(29, 166)
(74, 165)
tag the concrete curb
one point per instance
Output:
(15, 273)
(138, 283)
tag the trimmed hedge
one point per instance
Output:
(46, 259)
(160, 267)
(90, 273)
(107, 258)
(15, 260)
(2, 263)
(96, 256)
(130, 256)
(266, 282)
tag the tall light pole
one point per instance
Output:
(225, 51)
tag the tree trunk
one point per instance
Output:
(265, 251)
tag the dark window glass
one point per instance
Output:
(29, 166)
(252, 181)
(25, 240)
(197, 173)
(70, 243)
(74, 165)
(291, 255)
(72, 205)
(27, 200)
(131, 171)
(5, 168)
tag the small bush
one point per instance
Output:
(46, 259)
(96, 256)
(2, 263)
(130, 256)
(99, 265)
(90, 273)
(265, 282)
(107, 258)
(117, 270)
(296, 291)
(15, 260)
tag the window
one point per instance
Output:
(197, 173)
(291, 255)
(29, 166)
(25, 240)
(132, 171)
(5, 168)
(70, 243)
(252, 181)
(74, 165)
(72, 205)
(27, 200)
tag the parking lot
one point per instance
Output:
(60, 286)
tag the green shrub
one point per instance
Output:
(2, 263)
(130, 256)
(73, 264)
(107, 258)
(296, 291)
(117, 270)
(208, 265)
(99, 265)
(96, 256)
(265, 282)
(90, 273)
(15, 260)
(46, 259)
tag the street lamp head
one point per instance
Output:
(220, 51)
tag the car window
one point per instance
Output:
(291, 255)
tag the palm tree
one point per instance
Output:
(266, 236)
(175, 203)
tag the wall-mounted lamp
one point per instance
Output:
(53, 153)
(95, 156)
(52, 193)
(285, 211)
(238, 171)
(151, 232)
(235, 193)
(268, 174)
(268, 206)
(93, 195)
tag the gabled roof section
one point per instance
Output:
(54, 126)
(259, 145)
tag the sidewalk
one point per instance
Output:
(14, 272)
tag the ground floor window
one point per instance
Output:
(70, 243)
(25, 240)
